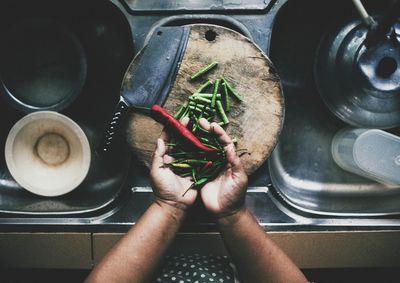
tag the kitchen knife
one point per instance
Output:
(149, 77)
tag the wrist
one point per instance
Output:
(175, 209)
(229, 219)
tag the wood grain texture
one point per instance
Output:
(256, 122)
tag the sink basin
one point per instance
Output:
(302, 169)
(105, 37)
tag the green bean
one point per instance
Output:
(180, 112)
(214, 97)
(199, 98)
(205, 95)
(205, 112)
(193, 105)
(186, 113)
(204, 70)
(225, 98)
(232, 90)
(221, 112)
(204, 86)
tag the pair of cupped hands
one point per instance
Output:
(223, 196)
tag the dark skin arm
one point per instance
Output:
(256, 256)
(136, 257)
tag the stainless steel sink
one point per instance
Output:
(302, 170)
(105, 36)
(117, 191)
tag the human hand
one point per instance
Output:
(167, 186)
(225, 195)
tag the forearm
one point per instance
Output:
(256, 256)
(137, 255)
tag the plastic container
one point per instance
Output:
(374, 154)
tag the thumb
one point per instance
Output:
(158, 156)
(233, 159)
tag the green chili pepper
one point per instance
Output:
(204, 70)
(213, 171)
(214, 97)
(210, 145)
(221, 112)
(180, 160)
(196, 184)
(177, 154)
(195, 161)
(225, 98)
(203, 139)
(200, 182)
(232, 90)
(185, 174)
(203, 130)
(194, 174)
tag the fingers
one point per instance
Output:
(232, 157)
(158, 156)
(205, 124)
(216, 130)
(226, 141)
(164, 134)
(221, 134)
(185, 121)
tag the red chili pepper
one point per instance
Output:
(208, 164)
(162, 116)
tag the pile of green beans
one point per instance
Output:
(211, 98)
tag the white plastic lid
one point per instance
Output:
(378, 153)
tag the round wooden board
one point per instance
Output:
(255, 122)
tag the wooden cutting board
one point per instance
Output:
(256, 121)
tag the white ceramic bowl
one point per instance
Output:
(47, 153)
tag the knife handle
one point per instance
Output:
(113, 128)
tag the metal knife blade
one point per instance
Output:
(149, 77)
